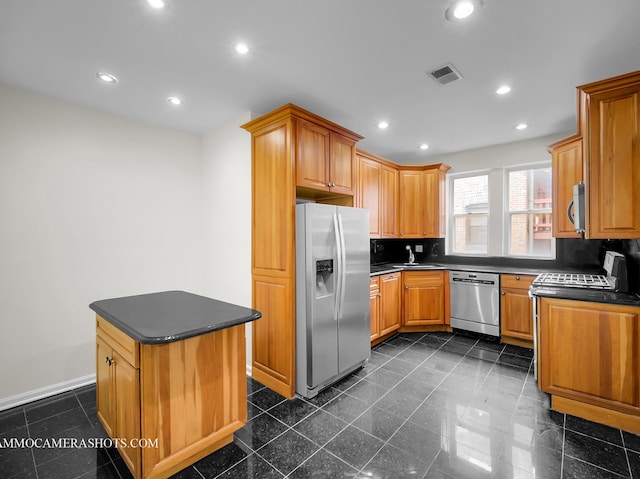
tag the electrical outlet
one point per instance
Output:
(418, 248)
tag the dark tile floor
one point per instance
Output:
(426, 405)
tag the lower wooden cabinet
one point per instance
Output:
(118, 390)
(424, 298)
(516, 310)
(374, 307)
(589, 360)
(385, 304)
(189, 396)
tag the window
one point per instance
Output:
(501, 212)
(469, 225)
(528, 222)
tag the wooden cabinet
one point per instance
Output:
(378, 192)
(390, 305)
(325, 159)
(609, 123)
(374, 307)
(589, 360)
(424, 298)
(516, 310)
(118, 390)
(189, 396)
(389, 202)
(294, 153)
(422, 201)
(567, 170)
(385, 305)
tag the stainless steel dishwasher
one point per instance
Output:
(475, 302)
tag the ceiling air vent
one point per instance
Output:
(445, 74)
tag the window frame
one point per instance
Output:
(507, 213)
(451, 215)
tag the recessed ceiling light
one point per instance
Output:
(174, 100)
(159, 4)
(106, 77)
(521, 126)
(503, 90)
(461, 9)
(383, 124)
(424, 146)
(242, 48)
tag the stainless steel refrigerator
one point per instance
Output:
(332, 294)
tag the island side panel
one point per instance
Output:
(194, 396)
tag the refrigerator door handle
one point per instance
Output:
(342, 265)
(338, 270)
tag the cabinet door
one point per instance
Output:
(374, 307)
(127, 403)
(390, 303)
(567, 170)
(369, 193)
(342, 162)
(411, 204)
(614, 163)
(590, 352)
(433, 223)
(105, 397)
(312, 156)
(516, 310)
(423, 299)
(389, 202)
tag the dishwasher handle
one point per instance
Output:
(479, 282)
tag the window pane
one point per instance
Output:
(471, 195)
(470, 235)
(530, 234)
(530, 189)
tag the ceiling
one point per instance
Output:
(354, 62)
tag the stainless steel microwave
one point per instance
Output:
(577, 204)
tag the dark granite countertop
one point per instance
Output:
(592, 295)
(395, 267)
(171, 315)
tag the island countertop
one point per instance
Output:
(171, 315)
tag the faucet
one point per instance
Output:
(412, 258)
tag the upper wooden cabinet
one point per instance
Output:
(567, 170)
(325, 159)
(422, 201)
(610, 123)
(378, 192)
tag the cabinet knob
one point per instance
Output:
(517, 278)
(406, 286)
(502, 293)
(378, 295)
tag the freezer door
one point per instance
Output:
(353, 312)
(321, 283)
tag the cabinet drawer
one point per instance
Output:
(516, 281)
(374, 284)
(125, 345)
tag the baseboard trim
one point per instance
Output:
(27, 397)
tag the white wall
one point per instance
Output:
(226, 154)
(92, 206)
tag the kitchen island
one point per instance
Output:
(170, 377)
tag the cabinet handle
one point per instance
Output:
(406, 286)
(378, 295)
(108, 360)
(517, 278)
(502, 293)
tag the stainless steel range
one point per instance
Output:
(614, 280)
(575, 280)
